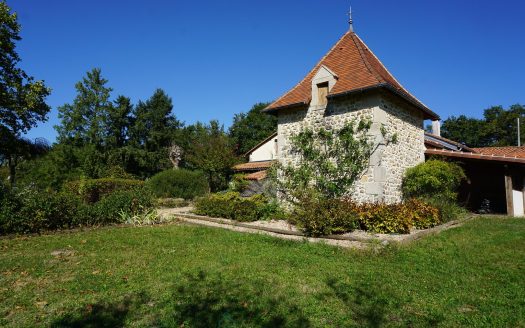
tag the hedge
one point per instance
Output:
(92, 190)
(178, 183)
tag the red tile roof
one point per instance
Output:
(475, 156)
(260, 175)
(253, 166)
(356, 68)
(508, 151)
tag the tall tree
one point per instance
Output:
(22, 99)
(497, 128)
(83, 121)
(248, 129)
(154, 126)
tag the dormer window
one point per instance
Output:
(322, 82)
(322, 93)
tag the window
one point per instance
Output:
(322, 93)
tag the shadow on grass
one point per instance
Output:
(202, 300)
(370, 305)
(103, 314)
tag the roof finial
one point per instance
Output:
(350, 20)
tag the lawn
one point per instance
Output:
(192, 276)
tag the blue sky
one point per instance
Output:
(218, 58)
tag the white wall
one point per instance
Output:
(266, 152)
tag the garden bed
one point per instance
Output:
(283, 229)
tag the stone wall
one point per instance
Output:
(382, 180)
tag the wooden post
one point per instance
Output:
(523, 190)
(508, 193)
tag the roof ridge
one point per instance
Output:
(312, 70)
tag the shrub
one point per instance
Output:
(385, 218)
(145, 218)
(433, 178)
(230, 205)
(92, 190)
(448, 210)
(110, 208)
(239, 182)
(424, 214)
(179, 183)
(321, 216)
(29, 210)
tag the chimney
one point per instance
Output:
(436, 128)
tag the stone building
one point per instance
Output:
(350, 83)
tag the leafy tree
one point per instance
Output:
(466, 130)
(497, 128)
(22, 100)
(249, 129)
(328, 163)
(83, 122)
(209, 150)
(62, 163)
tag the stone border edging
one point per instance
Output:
(407, 238)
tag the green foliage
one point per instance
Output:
(139, 219)
(105, 134)
(154, 126)
(118, 122)
(121, 204)
(329, 162)
(30, 210)
(433, 178)
(92, 190)
(321, 216)
(448, 210)
(179, 183)
(22, 99)
(239, 182)
(497, 128)
(230, 205)
(209, 150)
(425, 214)
(397, 218)
(249, 129)
(84, 121)
(385, 218)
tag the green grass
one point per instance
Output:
(190, 276)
